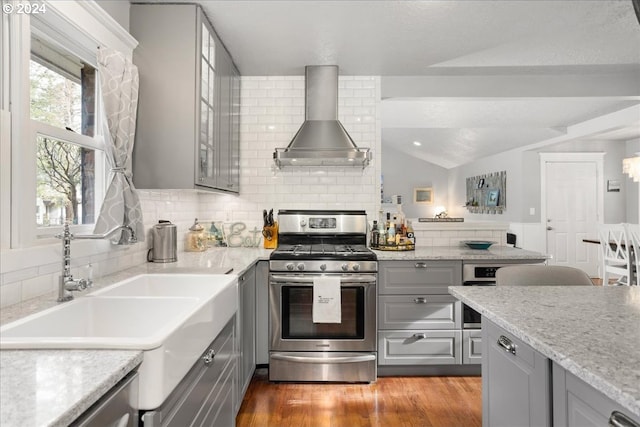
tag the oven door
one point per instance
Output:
(291, 314)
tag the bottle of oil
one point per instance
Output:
(391, 230)
(375, 235)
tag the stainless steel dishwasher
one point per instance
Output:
(114, 409)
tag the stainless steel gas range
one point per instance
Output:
(318, 249)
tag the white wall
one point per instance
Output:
(403, 173)
(632, 148)
(512, 163)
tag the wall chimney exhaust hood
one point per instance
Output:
(321, 140)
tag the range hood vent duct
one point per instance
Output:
(321, 140)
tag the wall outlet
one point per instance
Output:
(532, 211)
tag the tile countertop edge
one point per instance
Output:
(114, 365)
(602, 385)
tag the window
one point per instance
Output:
(58, 46)
(62, 106)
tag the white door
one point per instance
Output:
(571, 214)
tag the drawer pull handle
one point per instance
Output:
(506, 343)
(420, 336)
(421, 265)
(618, 419)
(420, 300)
(209, 356)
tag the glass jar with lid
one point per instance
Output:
(196, 238)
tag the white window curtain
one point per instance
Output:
(119, 88)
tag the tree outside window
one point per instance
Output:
(65, 171)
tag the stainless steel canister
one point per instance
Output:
(164, 237)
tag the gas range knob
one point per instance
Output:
(300, 266)
(323, 267)
(345, 267)
(303, 223)
(290, 266)
(356, 267)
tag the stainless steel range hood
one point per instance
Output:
(321, 140)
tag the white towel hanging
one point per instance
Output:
(327, 304)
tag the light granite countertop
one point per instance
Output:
(54, 387)
(463, 253)
(591, 331)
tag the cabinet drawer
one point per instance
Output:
(419, 312)
(472, 346)
(194, 391)
(418, 277)
(419, 347)
(219, 409)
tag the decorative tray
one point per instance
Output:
(411, 247)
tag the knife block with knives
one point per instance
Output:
(269, 230)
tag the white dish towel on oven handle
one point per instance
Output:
(327, 305)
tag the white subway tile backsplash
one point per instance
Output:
(10, 294)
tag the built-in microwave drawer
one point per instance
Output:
(420, 347)
(418, 312)
(418, 277)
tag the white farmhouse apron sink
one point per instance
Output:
(171, 318)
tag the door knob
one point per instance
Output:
(549, 228)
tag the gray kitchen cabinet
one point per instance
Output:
(577, 404)
(187, 132)
(207, 394)
(516, 385)
(418, 277)
(419, 347)
(471, 346)
(262, 313)
(246, 331)
(418, 322)
(418, 312)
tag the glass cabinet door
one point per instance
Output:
(207, 155)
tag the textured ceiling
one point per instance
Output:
(586, 55)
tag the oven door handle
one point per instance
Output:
(276, 278)
(334, 359)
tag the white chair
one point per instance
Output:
(633, 234)
(614, 251)
(550, 275)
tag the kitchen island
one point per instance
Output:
(593, 333)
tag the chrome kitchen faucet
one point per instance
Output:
(67, 283)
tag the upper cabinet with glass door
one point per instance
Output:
(187, 131)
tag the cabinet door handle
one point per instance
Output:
(209, 356)
(618, 419)
(420, 300)
(421, 265)
(507, 344)
(420, 336)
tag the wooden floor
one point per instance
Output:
(390, 402)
